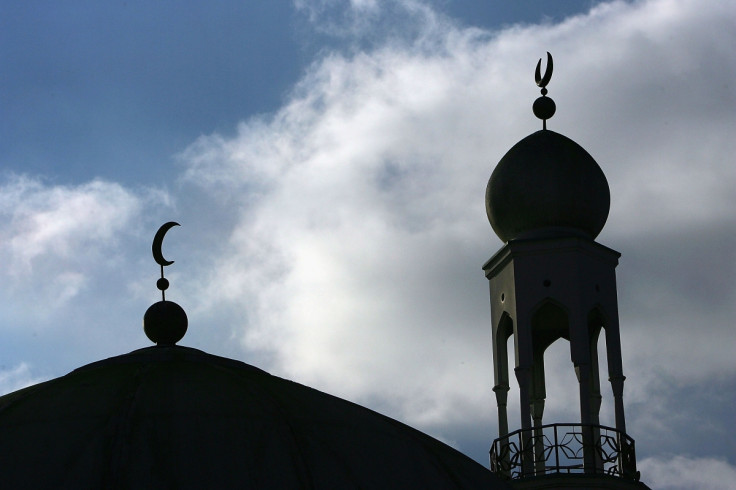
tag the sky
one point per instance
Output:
(327, 161)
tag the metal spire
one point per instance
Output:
(165, 322)
(544, 107)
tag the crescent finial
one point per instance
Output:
(544, 107)
(165, 322)
(158, 241)
(542, 81)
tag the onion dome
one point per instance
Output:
(176, 417)
(547, 185)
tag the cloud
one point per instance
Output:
(360, 24)
(16, 378)
(358, 207)
(73, 259)
(53, 220)
(681, 472)
(349, 204)
(58, 239)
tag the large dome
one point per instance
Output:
(547, 185)
(176, 417)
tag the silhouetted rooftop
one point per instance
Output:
(176, 417)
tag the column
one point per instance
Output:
(502, 395)
(523, 376)
(617, 386)
(583, 374)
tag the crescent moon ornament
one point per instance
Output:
(158, 240)
(164, 322)
(542, 81)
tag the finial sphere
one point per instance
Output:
(544, 108)
(162, 284)
(165, 323)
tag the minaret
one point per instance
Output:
(548, 200)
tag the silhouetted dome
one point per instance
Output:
(547, 185)
(176, 417)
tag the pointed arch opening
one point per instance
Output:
(600, 393)
(554, 381)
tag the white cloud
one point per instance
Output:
(359, 206)
(59, 239)
(16, 378)
(687, 473)
(357, 23)
(57, 221)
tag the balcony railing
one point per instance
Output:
(566, 449)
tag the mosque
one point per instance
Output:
(174, 417)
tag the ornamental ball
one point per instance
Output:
(165, 323)
(544, 108)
